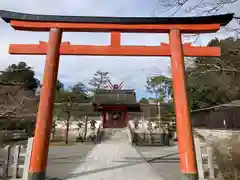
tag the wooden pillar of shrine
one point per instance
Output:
(103, 116)
(183, 121)
(38, 163)
(125, 117)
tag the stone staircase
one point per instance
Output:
(115, 134)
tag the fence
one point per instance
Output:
(219, 133)
(224, 116)
(13, 135)
(205, 161)
(150, 138)
(16, 159)
(130, 133)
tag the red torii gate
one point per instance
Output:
(174, 26)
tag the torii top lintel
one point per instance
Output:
(31, 22)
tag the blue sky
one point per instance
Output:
(132, 70)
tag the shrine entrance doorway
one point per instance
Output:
(114, 105)
(56, 25)
(115, 119)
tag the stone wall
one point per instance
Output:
(74, 130)
(218, 134)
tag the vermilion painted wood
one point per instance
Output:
(95, 27)
(115, 38)
(103, 118)
(121, 123)
(42, 132)
(175, 50)
(114, 50)
(183, 120)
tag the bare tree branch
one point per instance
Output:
(11, 110)
(179, 7)
(217, 69)
(204, 7)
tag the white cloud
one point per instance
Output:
(132, 70)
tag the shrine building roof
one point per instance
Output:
(123, 97)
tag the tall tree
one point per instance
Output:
(63, 109)
(18, 99)
(214, 81)
(20, 73)
(160, 87)
(143, 101)
(79, 88)
(100, 79)
(67, 105)
(59, 85)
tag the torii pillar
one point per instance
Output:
(184, 126)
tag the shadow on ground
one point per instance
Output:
(62, 160)
(130, 161)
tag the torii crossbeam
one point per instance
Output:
(174, 26)
(67, 49)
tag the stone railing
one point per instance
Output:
(12, 161)
(13, 135)
(205, 159)
(220, 134)
(130, 133)
(99, 134)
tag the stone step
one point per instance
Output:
(115, 134)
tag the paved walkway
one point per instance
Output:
(114, 159)
(164, 160)
(62, 160)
